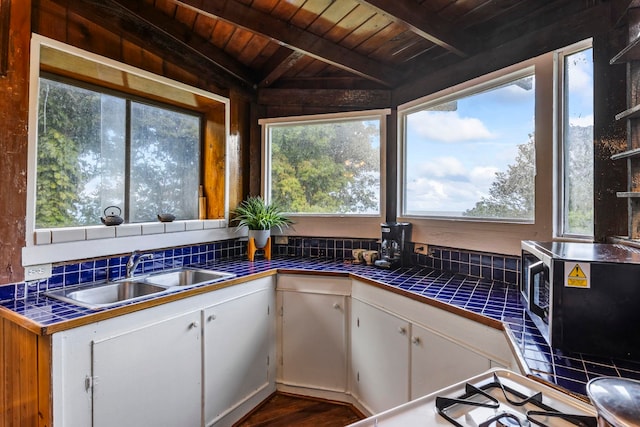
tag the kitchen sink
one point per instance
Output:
(126, 290)
(185, 277)
(107, 294)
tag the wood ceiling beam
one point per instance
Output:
(283, 60)
(328, 98)
(430, 27)
(112, 16)
(295, 38)
(185, 35)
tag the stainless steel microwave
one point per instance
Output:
(584, 297)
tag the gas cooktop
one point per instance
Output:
(496, 398)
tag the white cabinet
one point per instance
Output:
(379, 357)
(314, 341)
(169, 365)
(314, 332)
(149, 376)
(437, 361)
(237, 352)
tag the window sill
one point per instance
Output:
(50, 236)
(67, 244)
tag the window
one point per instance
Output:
(97, 149)
(575, 89)
(471, 155)
(325, 165)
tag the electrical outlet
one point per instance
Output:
(421, 249)
(37, 272)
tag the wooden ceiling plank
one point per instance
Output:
(299, 67)
(184, 35)
(166, 6)
(332, 16)
(390, 32)
(264, 5)
(203, 26)
(431, 27)
(367, 30)
(260, 61)
(186, 15)
(113, 17)
(349, 23)
(285, 9)
(309, 12)
(296, 38)
(279, 64)
(221, 33)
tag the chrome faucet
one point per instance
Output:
(134, 259)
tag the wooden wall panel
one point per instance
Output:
(14, 102)
(25, 361)
(214, 163)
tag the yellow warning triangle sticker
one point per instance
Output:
(577, 273)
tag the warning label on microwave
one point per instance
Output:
(577, 275)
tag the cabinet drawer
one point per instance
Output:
(316, 284)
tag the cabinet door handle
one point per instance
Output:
(415, 340)
(336, 306)
(211, 317)
(402, 330)
(194, 325)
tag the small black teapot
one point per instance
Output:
(112, 216)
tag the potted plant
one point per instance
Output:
(260, 217)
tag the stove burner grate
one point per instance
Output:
(533, 417)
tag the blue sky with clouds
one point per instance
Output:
(452, 156)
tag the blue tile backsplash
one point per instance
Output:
(494, 267)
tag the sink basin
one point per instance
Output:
(108, 294)
(187, 277)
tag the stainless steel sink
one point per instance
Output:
(108, 294)
(187, 277)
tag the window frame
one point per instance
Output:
(313, 224)
(474, 89)
(559, 146)
(45, 246)
(129, 99)
(474, 234)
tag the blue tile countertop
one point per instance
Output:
(495, 300)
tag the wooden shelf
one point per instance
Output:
(631, 52)
(628, 194)
(626, 154)
(631, 113)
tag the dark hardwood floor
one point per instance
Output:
(289, 410)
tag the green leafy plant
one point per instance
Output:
(255, 214)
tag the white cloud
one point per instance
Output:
(443, 184)
(448, 126)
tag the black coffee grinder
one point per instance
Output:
(394, 251)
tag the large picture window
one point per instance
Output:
(325, 166)
(97, 149)
(471, 155)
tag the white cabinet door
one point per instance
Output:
(237, 340)
(379, 357)
(150, 376)
(314, 340)
(437, 362)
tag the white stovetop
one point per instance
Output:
(423, 412)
